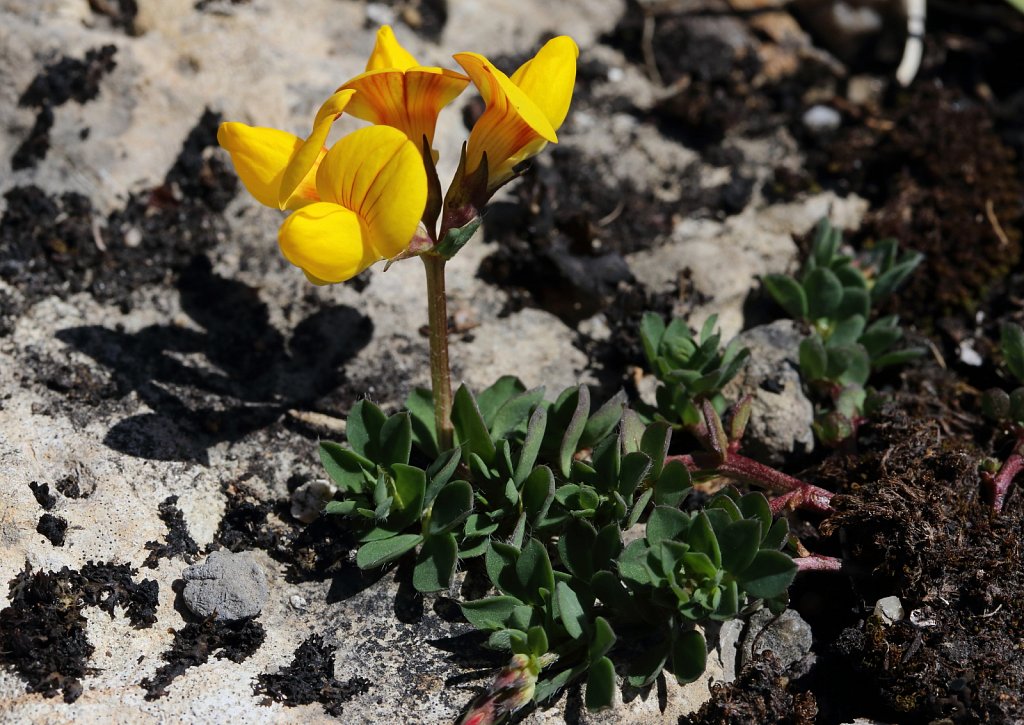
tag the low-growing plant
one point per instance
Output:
(1007, 410)
(834, 297)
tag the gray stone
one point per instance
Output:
(730, 636)
(781, 416)
(889, 609)
(821, 120)
(788, 636)
(231, 584)
(308, 500)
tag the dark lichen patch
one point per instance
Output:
(761, 694)
(119, 13)
(44, 498)
(42, 631)
(58, 244)
(195, 643)
(178, 542)
(53, 528)
(426, 18)
(914, 524)
(70, 486)
(310, 678)
(68, 79)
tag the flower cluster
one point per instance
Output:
(375, 191)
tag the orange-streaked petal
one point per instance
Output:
(548, 78)
(388, 52)
(409, 101)
(260, 156)
(310, 151)
(510, 123)
(327, 241)
(379, 174)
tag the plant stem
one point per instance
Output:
(999, 485)
(818, 562)
(746, 470)
(440, 371)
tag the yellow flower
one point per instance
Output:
(522, 112)
(397, 91)
(372, 188)
(278, 168)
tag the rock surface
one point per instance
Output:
(228, 585)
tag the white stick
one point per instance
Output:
(914, 48)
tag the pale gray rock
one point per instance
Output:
(889, 609)
(781, 415)
(787, 635)
(232, 585)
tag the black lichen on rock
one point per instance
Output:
(310, 678)
(53, 528)
(178, 542)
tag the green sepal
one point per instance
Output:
(378, 553)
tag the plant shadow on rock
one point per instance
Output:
(235, 375)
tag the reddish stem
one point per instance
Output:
(999, 484)
(746, 470)
(818, 562)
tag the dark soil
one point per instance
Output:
(310, 678)
(195, 643)
(42, 632)
(178, 542)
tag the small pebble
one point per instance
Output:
(889, 609)
(821, 119)
(298, 603)
(231, 584)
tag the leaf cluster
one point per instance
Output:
(548, 494)
(690, 368)
(834, 295)
(996, 403)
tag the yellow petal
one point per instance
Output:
(548, 78)
(327, 242)
(379, 174)
(260, 156)
(409, 101)
(387, 53)
(510, 124)
(307, 155)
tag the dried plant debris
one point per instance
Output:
(310, 678)
(58, 244)
(914, 525)
(42, 632)
(195, 643)
(68, 79)
(761, 694)
(53, 528)
(178, 542)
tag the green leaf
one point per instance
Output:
(451, 507)
(470, 427)
(824, 292)
(500, 563)
(654, 444)
(739, 542)
(395, 442)
(813, 358)
(603, 422)
(672, 485)
(546, 689)
(602, 640)
(606, 461)
(341, 508)
(533, 570)
(652, 329)
(607, 546)
(777, 535)
(420, 404)
(788, 294)
(575, 548)
(346, 468)
(848, 365)
(491, 612)
(826, 243)
(378, 553)
(689, 656)
(890, 280)
(631, 431)
(435, 565)
(632, 470)
(491, 399)
(898, 357)
(639, 507)
(457, 238)
(407, 504)
(1012, 344)
(666, 524)
(440, 472)
(645, 669)
(600, 684)
(573, 429)
(537, 641)
(538, 493)
(769, 574)
(755, 506)
(856, 301)
(847, 332)
(531, 445)
(633, 562)
(610, 590)
(697, 564)
(702, 538)
(514, 415)
(363, 428)
(570, 612)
